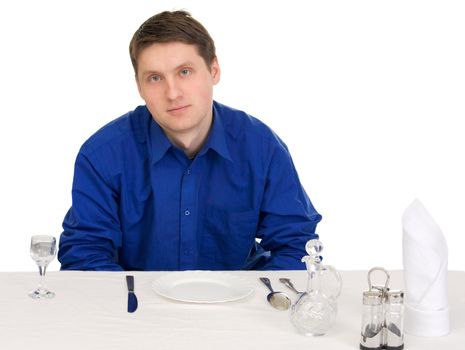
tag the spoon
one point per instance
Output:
(289, 285)
(278, 300)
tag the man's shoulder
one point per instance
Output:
(131, 126)
(239, 123)
(246, 129)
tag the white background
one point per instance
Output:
(368, 95)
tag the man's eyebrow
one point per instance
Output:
(185, 64)
(178, 67)
(150, 72)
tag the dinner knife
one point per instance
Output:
(132, 299)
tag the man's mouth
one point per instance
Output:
(178, 108)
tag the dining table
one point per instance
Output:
(90, 312)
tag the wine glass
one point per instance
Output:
(43, 251)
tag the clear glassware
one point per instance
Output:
(316, 309)
(372, 333)
(394, 320)
(43, 251)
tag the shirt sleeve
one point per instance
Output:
(287, 217)
(91, 227)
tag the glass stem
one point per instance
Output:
(42, 277)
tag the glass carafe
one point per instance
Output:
(316, 309)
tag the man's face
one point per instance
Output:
(177, 87)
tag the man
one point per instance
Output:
(184, 182)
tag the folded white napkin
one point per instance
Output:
(425, 273)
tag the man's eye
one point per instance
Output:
(155, 78)
(185, 72)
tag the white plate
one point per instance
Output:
(202, 287)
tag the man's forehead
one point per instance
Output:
(168, 56)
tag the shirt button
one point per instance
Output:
(187, 212)
(188, 171)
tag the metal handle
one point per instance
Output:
(266, 282)
(287, 282)
(370, 285)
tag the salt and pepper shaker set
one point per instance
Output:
(382, 316)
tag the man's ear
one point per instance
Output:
(138, 85)
(215, 71)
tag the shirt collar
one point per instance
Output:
(216, 139)
(159, 142)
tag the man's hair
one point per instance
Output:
(175, 26)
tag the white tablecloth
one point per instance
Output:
(89, 312)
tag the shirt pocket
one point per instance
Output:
(228, 237)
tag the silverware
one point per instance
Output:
(287, 282)
(132, 299)
(278, 300)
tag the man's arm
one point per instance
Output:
(288, 219)
(92, 231)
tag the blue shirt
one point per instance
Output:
(139, 203)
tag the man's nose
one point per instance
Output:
(173, 90)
